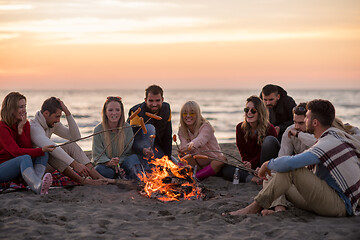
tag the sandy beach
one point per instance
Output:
(120, 212)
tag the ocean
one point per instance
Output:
(223, 108)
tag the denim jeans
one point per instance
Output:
(142, 141)
(128, 163)
(13, 168)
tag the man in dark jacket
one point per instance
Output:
(145, 144)
(280, 107)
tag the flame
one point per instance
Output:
(159, 182)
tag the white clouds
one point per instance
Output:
(93, 25)
(15, 7)
(112, 21)
(136, 5)
(6, 36)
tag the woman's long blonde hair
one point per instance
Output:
(337, 123)
(191, 106)
(9, 107)
(120, 132)
(262, 123)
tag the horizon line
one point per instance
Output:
(181, 89)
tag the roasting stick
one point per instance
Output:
(68, 142)
(239, 165)
(116, 135)
(131, 117)
(239, 160)
(217, 151)
(108, 130)
(142, 126)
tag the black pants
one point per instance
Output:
(269, 149)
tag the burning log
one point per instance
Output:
(169, 182)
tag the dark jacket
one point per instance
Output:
(163, 127)
(249, 149)
(283, 111)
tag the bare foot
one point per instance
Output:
(253, 208)
(110, 181)
(96, 182)
(267, 212)
(278, 208)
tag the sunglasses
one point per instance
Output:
(191, 114)
(253, 110)
(299, 110)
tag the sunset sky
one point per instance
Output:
(179, 44)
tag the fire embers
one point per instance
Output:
(169, 182)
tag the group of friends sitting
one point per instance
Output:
(301, 153)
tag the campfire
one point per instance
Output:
(170, 182)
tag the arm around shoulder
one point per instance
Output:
(307, 138)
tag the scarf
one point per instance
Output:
(339, 154)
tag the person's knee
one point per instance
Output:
(271, 142)
(130, 161)
(26, 157)
(105, 171)
(270, 149)
(150, 129)
(72, 148)
(228, 172)
(25, 161)
(133, 158)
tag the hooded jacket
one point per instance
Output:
(283, 116)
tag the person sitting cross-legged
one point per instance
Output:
(334, 189)
(112, 146)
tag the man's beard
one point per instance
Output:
(310, 129)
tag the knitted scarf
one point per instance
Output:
(339, 154)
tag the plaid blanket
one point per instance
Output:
(339, 154)
(58, 180)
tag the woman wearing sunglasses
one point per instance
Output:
(197, 137)
(255, 138)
